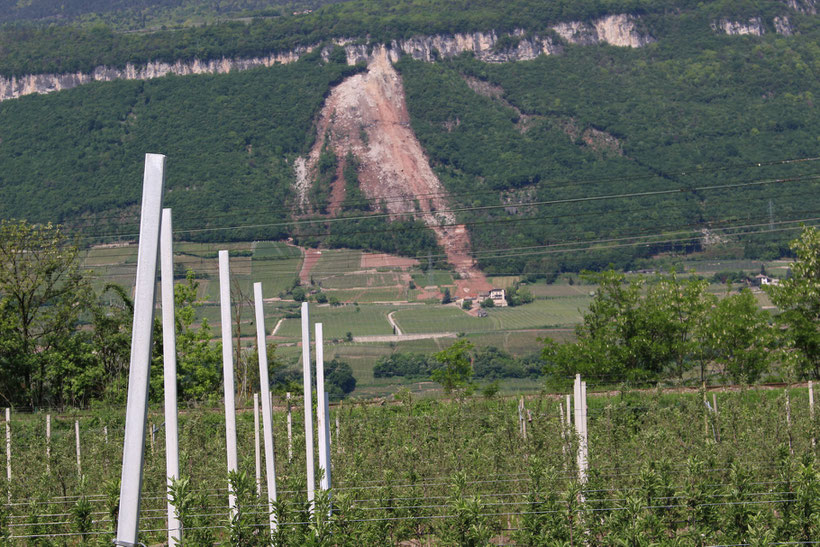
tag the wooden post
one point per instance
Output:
(77, 439)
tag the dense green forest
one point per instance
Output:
(146, 14)
(594, 147)
(676, 117)
(26, 49)
(230, 141)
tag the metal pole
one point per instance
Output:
(77, 442)
(321, 418)
(257, 447)
(267, 411)
(311, 477)
(133, 450)
(227, 371)
(169, 359)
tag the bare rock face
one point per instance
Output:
(617, 30)
(783, 26)
(753, 27)
(808, 7)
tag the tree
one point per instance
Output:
(446, 298)
(738, 337)
(457, 369)
(42, 287)
(798, 298)
(199, 362)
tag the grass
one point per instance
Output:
(350, 281)
(538, 314)
(336, 262)
(384, 294)
(433, 278)
(337, 321)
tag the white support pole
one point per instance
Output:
(133, 451)
(311, 477)
(584, 423)
(105, 433)
(579, 428)
(227, 370)
(811, 412)
(77, 442)
(338, 427)
(328, 462)
(321, 419)
(48, 444)
(8, 444)
(290, 430)
(267, 411)
(569, 410)
(257, 447)
(169, 359)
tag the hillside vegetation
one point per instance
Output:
(26, 49)
(681, 139)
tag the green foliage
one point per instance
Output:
(642, 330)
(518, 294)
(199, 361)
(798, 297)
(230, 139)
(456, 371)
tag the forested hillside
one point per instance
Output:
(682, 144)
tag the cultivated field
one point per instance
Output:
(663, 468)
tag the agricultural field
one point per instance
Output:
(536, 315)
(338, 321)
(275, 265)
(663, 468)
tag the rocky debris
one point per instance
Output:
(366, 116)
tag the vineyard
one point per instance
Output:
(665, 468)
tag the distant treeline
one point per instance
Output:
(489, 363)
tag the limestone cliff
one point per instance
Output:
(617, 30)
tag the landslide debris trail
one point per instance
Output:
(367, 116)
